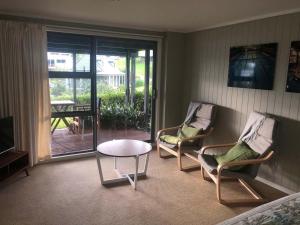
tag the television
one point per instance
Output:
(252, 66)
(6, 134)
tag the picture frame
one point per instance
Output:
(293, 75)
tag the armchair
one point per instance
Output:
(200, 116)
(258, 135)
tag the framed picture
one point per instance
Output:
(252, 66)
(293, 76)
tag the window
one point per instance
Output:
(51, 63)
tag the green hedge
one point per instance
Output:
(120, 116)
(116, 113)
(111, 98)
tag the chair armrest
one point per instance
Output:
(165, 130)
(244, 162)
(203, 149)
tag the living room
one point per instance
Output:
(88, 86)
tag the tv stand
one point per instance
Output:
(12, 163)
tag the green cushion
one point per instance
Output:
(170, 139)
(240, 151)
(187, 132)
(184, 132)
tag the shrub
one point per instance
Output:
(139, 83)
(121, 116)
(115, 112)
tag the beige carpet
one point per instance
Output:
(70, 193)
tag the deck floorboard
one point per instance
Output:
(65, 142)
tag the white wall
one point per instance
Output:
(206, 70)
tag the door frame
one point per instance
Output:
(157, 103)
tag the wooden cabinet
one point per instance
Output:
(13, 162)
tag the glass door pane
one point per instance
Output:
(124, 112)
(70, 132)
(70, 84)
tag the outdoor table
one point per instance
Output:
(60, 106)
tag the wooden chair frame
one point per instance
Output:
(217, 179)
(179, 152)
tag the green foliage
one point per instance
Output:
(58, 87)
(121, 116)
(139, 83)
(115, 111)
(63, 97)
(112, 98)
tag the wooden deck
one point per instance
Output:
(65, 142)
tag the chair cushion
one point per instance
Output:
(253, 119)
(204, 117)
(209, 163)
(170, 146)
(205, 111)
(264, 138)
(186, 131)
(193, 106)
(239, 152)
(258, 132)
(170, 139)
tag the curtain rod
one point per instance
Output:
(101, 32)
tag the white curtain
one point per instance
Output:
(24, 88)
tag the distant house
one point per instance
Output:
(60, 61)
(107, 70)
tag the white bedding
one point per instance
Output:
(283, 211)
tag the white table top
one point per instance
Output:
(62, 102)
(124, 148)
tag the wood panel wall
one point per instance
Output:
(206, 73)
(174, 68)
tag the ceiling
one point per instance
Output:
(156, 15)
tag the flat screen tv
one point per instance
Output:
(6, 134)
(252, 66)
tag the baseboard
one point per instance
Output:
(276, 186)
(68, 157)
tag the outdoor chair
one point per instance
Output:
(78, 124)
(258, 135)
(200, 116)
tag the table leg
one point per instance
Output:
(146, 163)
(65, 121)
(54, 128)
(115, 163)
(99, 168)
(53, 121)
(136, 171)
(82, 129)
(131, 177)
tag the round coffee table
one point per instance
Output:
(124, 148)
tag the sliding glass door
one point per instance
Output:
(101, 89)
(124, 89)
